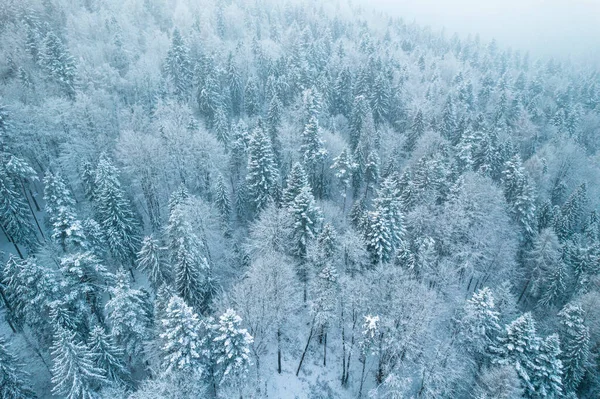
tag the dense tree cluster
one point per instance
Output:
(198, 197)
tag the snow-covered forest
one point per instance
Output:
(291, 199)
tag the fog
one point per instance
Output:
(564, 28)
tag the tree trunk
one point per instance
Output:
(310, 334)
(343, 347)
(278, 350)
(325, 350)
(362, 376)
(348, 362)
(32, 211)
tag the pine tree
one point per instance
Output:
(190, 265)
(115, 214)
(13, 384)
(296, 180)
(178, 67)
(575, 346)
(129, 312)
(262, 176)
(182, 343)
(58, 63)
(149, 260)
(74, 374)
(67, 230)
(223, 204)
(232, 346)
(108, 356)
(307, 219)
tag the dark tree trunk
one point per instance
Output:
(310, 334)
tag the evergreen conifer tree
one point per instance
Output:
(262, 176)
(13, 379)
(575, 346)
(108, 356)
(150, 261)
(115, 214)
(182, 343)
(74, 373)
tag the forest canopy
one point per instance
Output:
(312, 199)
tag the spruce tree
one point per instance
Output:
(58, 63)
(360, 109)
(15, 217)
(67, 230)
(232, 346)
(273, 121)
(178, 67)
(415, 132)
(378, 238)
(380, 99)
(252, 97)
(114, 213)
(388, 205)
(182, 344)
(13, 378)
(129, 312)
(262, 176)
(296, 180)
(149, 260)
(223, 204)
(221, 127)
(74, 374)
(518, 346)
(519, 195)
(371, 172)
(547, 378)
(189, 264)
(342, 93)
(575, 346)
(306, 218)
(235, 86)
(313, 153)
(480, 322)
(28, 288)
(108, 356)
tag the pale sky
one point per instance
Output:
(549, 27)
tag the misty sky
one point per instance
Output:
(555, 27)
